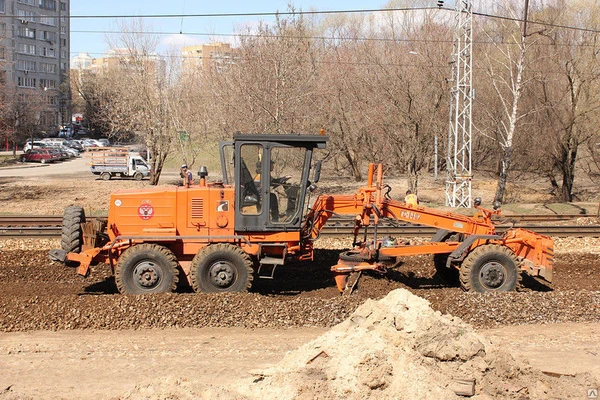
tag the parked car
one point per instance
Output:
(74, 144)
(70, 153)
(59, 154)
(104, 141)
(37, 144)
(90, 143)
(38, 155)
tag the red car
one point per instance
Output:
(38, 155)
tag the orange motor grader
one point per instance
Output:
(221, 235)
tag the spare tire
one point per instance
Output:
(72, 235)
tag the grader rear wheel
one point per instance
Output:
(489, 268)
(146, 268)
(221, 268)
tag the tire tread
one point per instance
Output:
(206, 252)
(468, 264)
(144, 248)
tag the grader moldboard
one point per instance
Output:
(224, 234)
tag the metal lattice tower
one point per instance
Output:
(459, 176)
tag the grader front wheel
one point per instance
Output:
(489, 268)
(146, 268)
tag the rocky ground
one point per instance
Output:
(40, 294)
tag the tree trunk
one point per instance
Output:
(413, 177)
(568, 171)
(354, 165)
(503, 174)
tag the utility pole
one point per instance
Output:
(459, 174)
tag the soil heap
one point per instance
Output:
(399, 347)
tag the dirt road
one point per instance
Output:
(106, 364)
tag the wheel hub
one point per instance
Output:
(493, 274)
(222, 274)
(146, 274)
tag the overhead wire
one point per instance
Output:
(315, 12)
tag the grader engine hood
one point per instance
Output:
(143, 212)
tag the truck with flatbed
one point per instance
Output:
(110, 162)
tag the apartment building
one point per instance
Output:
(34, 51)
(216, 56)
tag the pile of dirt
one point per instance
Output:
(399, 347)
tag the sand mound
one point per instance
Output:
(400, 348)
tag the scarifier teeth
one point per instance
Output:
(341, 280)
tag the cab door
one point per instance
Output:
(270, 183)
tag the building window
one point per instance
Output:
(52, 100)
(63, 42)
(26, 48)
(1, 53)
(25, 65)
(28, 2)
(48, 68)
(47, 20)
(48, 52)
(63, 30)
(46, 35)
(24, 31)
(2, 6)
(63, 66)
(25, 15)
(23, 81)
(48, 4)
(63, 6)
(2, 29)
(47, 84)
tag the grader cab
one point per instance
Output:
(222, 235)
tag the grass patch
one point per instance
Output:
(7, 160)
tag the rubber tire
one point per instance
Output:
(222, 253)
(471, 269)
(160, 257)
(105, 176)
(72, 235)
(43, 161)
(138, 176)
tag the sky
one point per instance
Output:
(96, 43)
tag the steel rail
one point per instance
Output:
(345, 231)
(56, 220)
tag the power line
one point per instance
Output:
(249, 14)
(341, 38)
(552, 25)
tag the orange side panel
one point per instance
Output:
(150, 211)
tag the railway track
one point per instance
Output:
(49, 226)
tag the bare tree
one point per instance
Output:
(274, 81)
(568, 93)
(141, 97)
(506, 67)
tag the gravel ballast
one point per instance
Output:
(38, 294)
